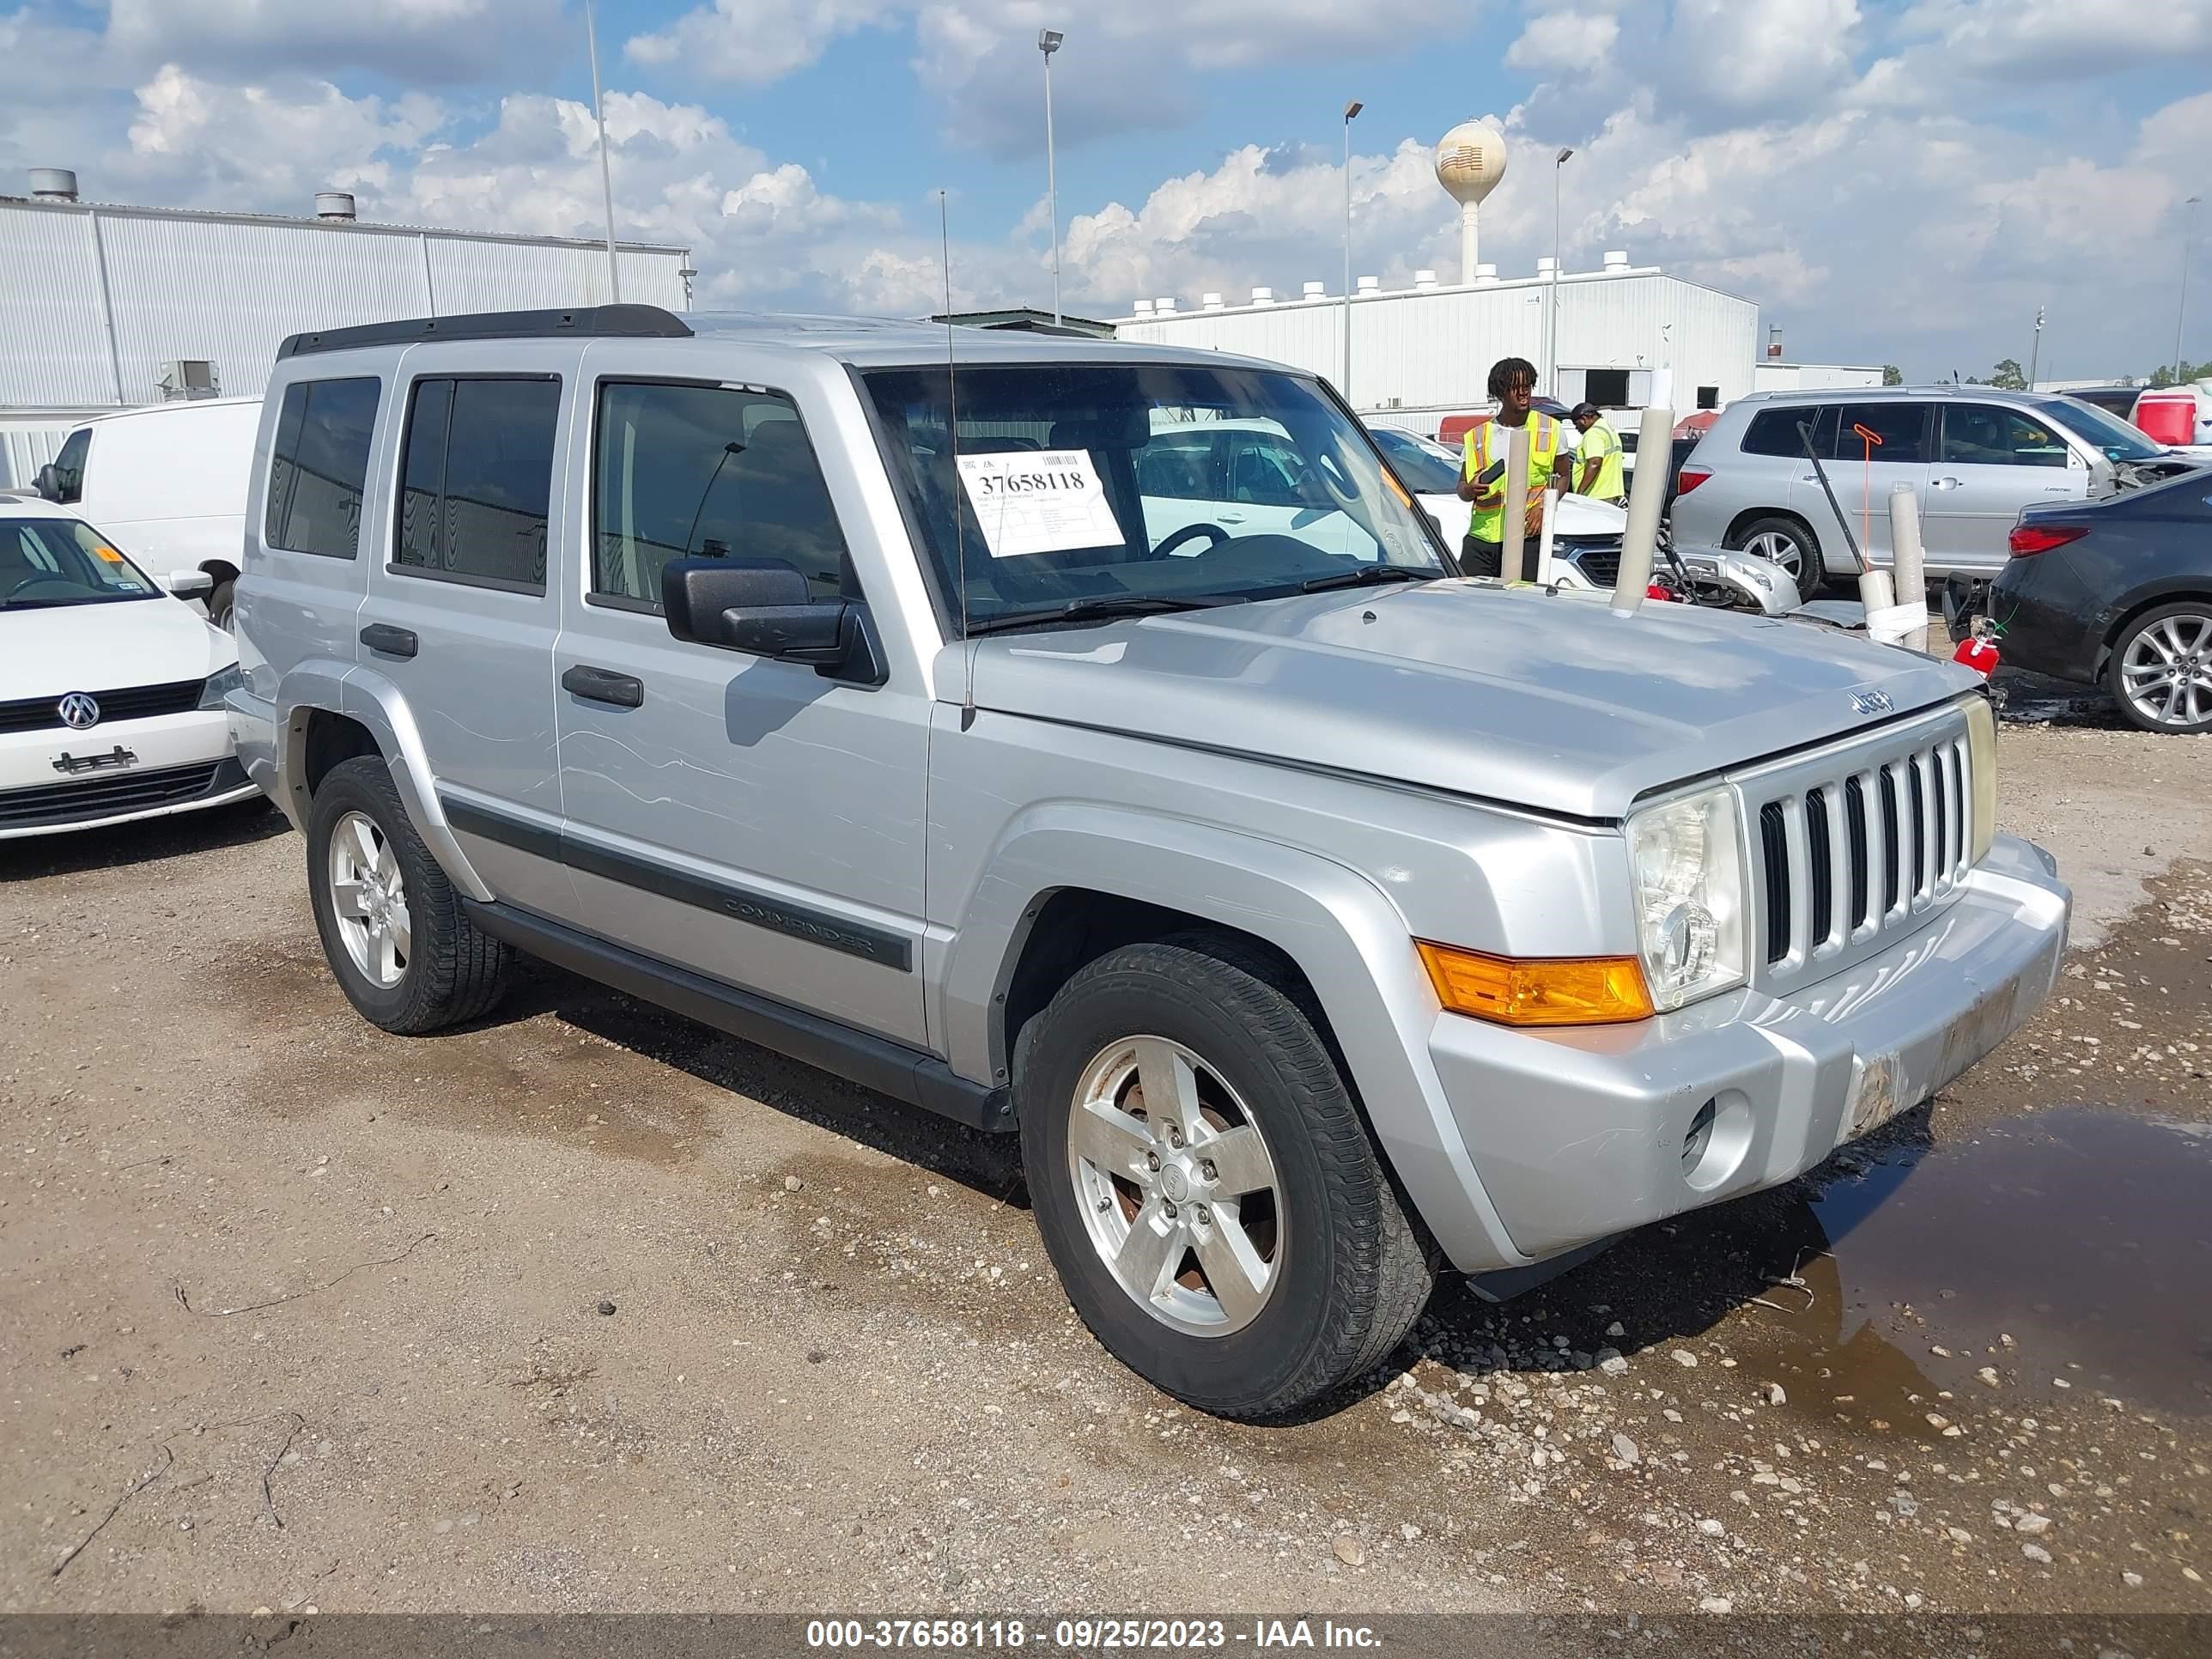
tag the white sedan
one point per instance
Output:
(111, 691)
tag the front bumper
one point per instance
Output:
(1578, 1135)
(176, 763)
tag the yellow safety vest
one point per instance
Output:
(1488, 523)
(1600, 444)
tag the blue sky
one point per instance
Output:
(1892, 180)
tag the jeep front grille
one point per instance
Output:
(1856, 845)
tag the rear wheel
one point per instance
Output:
(393, 931)
(1205, 1185)
(2160, 672)
(1790, 543)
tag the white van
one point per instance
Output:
(167, 483)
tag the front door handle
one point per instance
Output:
(1947, 483)
(604, 685)
(390, 640)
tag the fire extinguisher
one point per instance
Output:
(1656, 591)
(1978, 650)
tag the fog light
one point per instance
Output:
(1699, 1138)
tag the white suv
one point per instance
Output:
(1974, 455)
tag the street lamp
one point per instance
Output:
(1351, 110)
(2181, 313)
(1048, 43)
(1552, 355)
(606, 178)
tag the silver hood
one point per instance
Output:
(1514, 696)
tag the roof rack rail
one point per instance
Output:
(599, 322)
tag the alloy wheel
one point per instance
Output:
(1176, 1185)
(368, 897)
(1778, 547)
(2167, 672)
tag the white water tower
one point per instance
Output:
(1470, 160)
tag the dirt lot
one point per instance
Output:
(589, 1308)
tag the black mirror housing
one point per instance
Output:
(759, 606)
(48, 483)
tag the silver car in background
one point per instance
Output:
(1973, 457)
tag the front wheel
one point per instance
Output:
(1205, 1185)
(222, 601)
(2162, 669)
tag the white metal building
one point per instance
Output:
(104, 306)
(1769, 375)
(1627, 335)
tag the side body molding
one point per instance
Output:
(1342, 930)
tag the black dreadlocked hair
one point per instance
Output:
(1506, 370)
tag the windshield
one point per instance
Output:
(1095, 485)
(47, 562)
(2117, 440)
(1428, 469)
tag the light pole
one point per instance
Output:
(1351, 110)
(606, 178)
(1048, 43)
(2035, 351)
(2181, 311)
(1552, 354)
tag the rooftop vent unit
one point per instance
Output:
(1486, 273)
(1211, 302)
(189, 378)
(1616, 259)
(1263, 297)
(1424, 279)
(1165, 305)
(1371, 284)
(1317, 290)
(53, 184)
(335, 205)
(1141, 308)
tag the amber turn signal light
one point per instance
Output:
(1537, 990)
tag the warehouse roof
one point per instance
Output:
(210, 216)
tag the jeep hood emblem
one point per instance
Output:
(1871, 703)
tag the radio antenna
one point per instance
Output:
(953, 440)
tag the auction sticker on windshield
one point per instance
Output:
(1047, 501)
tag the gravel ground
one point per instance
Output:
(587, 1308)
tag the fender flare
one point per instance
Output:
(369, 698)
(1341, 930)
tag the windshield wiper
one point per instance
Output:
(1367, 576)
(1100, 605)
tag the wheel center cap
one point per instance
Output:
(1173, 1182)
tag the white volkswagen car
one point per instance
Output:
(111, 691)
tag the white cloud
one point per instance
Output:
(753, 42)
(1563, 42)
(2058, 38)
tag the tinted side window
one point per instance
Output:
(1985, 434)
(69, 467)
(1177, 466)
(1902, 426)
(1774, 432)
(319, 467)
(708, 471)
(477, 481)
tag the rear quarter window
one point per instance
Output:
(318, 466)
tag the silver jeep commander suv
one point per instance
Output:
(1320, 920)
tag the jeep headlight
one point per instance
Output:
(220, 684)
(1687, 859)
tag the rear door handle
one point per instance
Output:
(392, 641)
(604, 685)
(1948, 483)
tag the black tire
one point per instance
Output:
(1810, 572)
(1352, 1275)
(453, 972)
(2190, 637)
(221, 601)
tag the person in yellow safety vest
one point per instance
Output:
(1597, 462)
(1482, 482)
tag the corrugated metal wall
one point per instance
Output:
(229, 290)
(1433, 349)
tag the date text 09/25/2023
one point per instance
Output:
(1087, 1635)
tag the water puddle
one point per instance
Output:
(2068, 1254)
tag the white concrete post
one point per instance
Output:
(1647, 493)
(1545, 573)
(1908, 565)
(1512, 541)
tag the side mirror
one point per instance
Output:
(191, 584)
(48, 483)
(759, 606)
